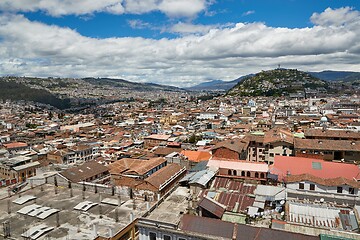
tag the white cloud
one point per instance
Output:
(248, 13)
(141, 6)
(139, 24)
(188, 28)
(218, 53)
(182, 8)
(62, 7)
(172, 8)
(335, 17)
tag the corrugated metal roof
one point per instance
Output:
(222, 229)
(270, 193)
(212, 206)
(209, 226)
(202, 177)
(314, 215)
(233, 194)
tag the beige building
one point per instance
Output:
(19, 168)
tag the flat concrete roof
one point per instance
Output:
(72, 223)
(172, 208)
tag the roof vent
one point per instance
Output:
(352, 143)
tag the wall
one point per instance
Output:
(317, 231)
(278, 149)
(241, 174)
(322, 189)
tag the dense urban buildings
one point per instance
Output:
(229, 167)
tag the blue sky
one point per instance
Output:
(176, 42)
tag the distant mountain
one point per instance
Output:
(344, 76)
(277, 82)
(121, 83)
(72, 93)
(216, 85)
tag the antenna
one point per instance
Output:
(279, 66)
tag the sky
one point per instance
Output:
(176, 42)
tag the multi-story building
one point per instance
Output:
(19, 168)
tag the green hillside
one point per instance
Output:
(277, 82)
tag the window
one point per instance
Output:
(152, 236)
(312, 187)
(182, 239)
(229, 172)
(339, 189)
(351, 190)
(243, 173)
(271, 147)
(271, 154)
(167, 237)
(256, 175)
(248, 174)
(234, 172)
(262, 175)
(301, 185)
(260, 150)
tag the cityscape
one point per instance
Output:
(179, 120)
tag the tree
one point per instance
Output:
(192, 138)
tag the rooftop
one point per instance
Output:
(284, 165)
(171, 210)
(71, 222)
(84, 171)
(238, 165)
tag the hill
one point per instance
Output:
(65, 93)
(344, 76)
(121, 83)
(216, 85)
(277, 82)
(18, 91)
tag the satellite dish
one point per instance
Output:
(282, 202)
(282, 213)
(322, 200)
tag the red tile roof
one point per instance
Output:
(319, 133)
(85, 171)
(196, 156)
(14, 145)
(164, 174)
(134, 166)
(327, 145)
(158, 137)
(278, 135)
(284, 165)
(236, 145)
